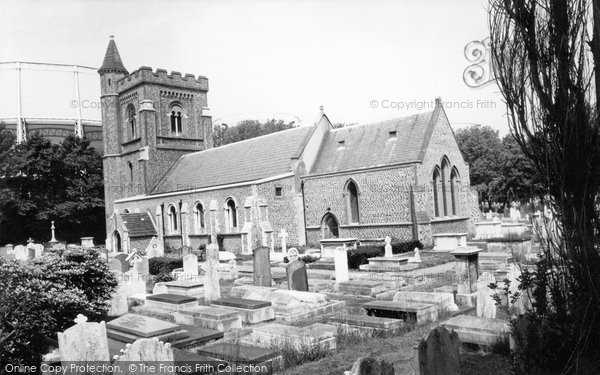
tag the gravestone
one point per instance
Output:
(20, 252)
(438, 354)
(466, 268)
(140, 265)
(293, 254)
(144, 353)
(190, 265)
(283, 235)
(388, 247)
(212, 289)
(486, 306)
(155, 248)
(522, 303)
(118, 301)
(371, 366)
(262, 266)
(124, 264)
(3, 251)
(39, 250)
(84, 342)
(115, 265)
(30, 253)
(296, 276)
(341, 265)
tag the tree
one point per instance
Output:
(45, 182)
(520, 181)
(547, 69)
(484, 152)
(224, 134)
(42, 297)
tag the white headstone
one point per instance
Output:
(388, 247)
(416, 258)
(118, 301)
(39, 250)
(190, 264)
(84, 342)
(283, 235)
(155, 248)
(293, 254)
(144, 353)
(141, 266)
(20, 252)
(135, 283)
(522, 303)
(341, 265)
(212, 289)
(486, 306)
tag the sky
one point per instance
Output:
(363, 61)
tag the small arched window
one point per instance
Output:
(446, 197)
(455, 191)
(131, 121)
(437, 204)
(199, 216)
(175, 118)
(231, 213)
(352, 202)
(172, 219)
(130, 166)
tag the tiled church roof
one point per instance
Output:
(138, 224)
(372, 145)
(253, 159)
(112, 60)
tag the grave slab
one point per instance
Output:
(274, 335)
(444, 301)
(402, 310)
(141, 326)
(169, 302)
(240, 354)
(251, 311)
(478, 330)
(188, 288)
(360, 287)
(220, 319)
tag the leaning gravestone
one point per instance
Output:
(296, 276)
(145, 353)
(115, 265)
(486, 306)
(20, 252)
(212, 289)
(262, 267)
(371, 366)
(84, 341)
(439, 353)
(190, 265)
(124, 264)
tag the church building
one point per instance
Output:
(166, 185)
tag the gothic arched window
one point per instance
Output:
(172, 219)
(437, 201)
(130, 166)
(455, 191)
(199, 216)
(131, 121)
(231, 213)
(175, 117)
(352, 202)
(446, 196)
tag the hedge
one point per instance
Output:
(160, 265)
(361, 255)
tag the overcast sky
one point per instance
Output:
(284, 58)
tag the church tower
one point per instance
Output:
(149, 120)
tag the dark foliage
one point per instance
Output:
(163, 265)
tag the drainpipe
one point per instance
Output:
(162, 221)
(181, 224)
(304, 213)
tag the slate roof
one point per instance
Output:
(112, 60)
(138, 224)
(253, 159)
(369, 146)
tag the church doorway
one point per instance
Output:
(329, 227)
(117, 242)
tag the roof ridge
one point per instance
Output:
(246, 140)
(395, 119)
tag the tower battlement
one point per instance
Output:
(160, 77)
